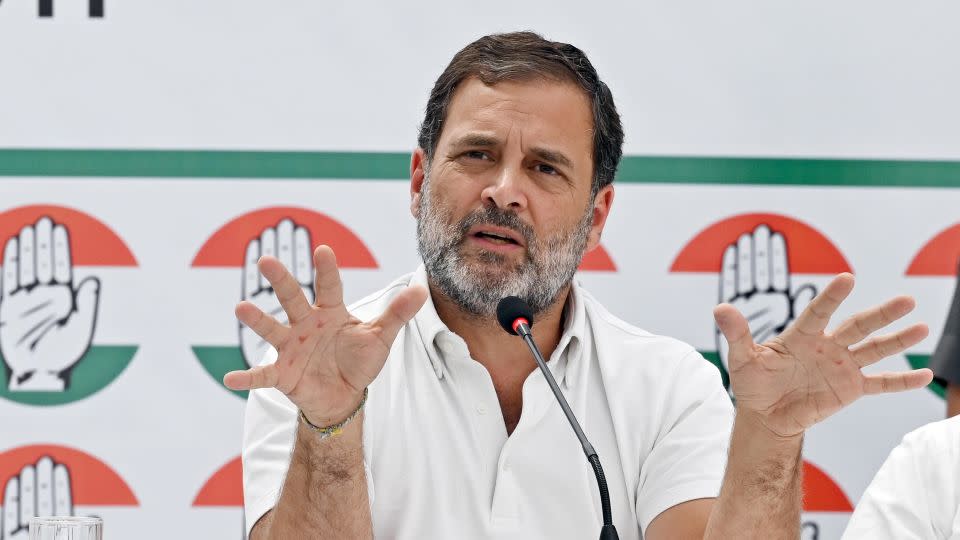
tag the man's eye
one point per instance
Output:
(476, 154)
(546, 169)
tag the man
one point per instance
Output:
(419, 418)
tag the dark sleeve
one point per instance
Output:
(945, 362)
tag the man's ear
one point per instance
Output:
(601, 209)
(418, 173)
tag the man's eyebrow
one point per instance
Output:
(553, 157)
(474, 140)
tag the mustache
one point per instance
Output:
(491, 215)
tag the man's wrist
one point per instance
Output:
(38, 381)
(328, 427)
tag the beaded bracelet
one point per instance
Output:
(336, 429)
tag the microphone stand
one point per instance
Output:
(608, 531)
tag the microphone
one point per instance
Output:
(516, 317)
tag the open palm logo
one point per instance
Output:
(49, 315)
(50, 480)
(759, 260)
(288, 233)
(755, 279)
(290, 244)
(46, 321)
(42, 489)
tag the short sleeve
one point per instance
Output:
(689, 456)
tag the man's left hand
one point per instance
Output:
(805, 374)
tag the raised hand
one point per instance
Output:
(805, 374)
(755, 279)
(41, 490)
(326, 357)
(46, 324)
(290, 244)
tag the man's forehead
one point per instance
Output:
(556, 110)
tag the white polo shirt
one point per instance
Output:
(916, 493)
(438, 459)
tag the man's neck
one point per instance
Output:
(501, 354)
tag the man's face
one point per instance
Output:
(505, 206)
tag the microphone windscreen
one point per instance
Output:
(510, 309)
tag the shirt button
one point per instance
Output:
(505, 466)
(481, 409)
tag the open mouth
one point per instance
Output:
(496, 238)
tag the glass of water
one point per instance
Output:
(66, 528)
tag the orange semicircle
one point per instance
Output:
(91, 242)
(224, 488)
(821, 493)
(228, 245)
(808, 250)
(93, 483)
(939, 256)
(597, 260)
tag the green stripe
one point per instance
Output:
(394, 166)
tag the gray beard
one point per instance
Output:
(478, 282)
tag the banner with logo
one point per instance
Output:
(149, 153)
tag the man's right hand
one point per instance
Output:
(326, 357)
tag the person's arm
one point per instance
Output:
(325, 360)
(783, 387)
(324, 474)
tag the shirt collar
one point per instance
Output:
(440, 341)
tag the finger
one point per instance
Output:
(285, 244)
(262, 324)
(745, 264)
(802, 299)
(728, 274)
(327, 285)
(62, 496)
(815, 318)
(44, 487)
(11, 507)
(28, 493)
(268, 247)
(11, 266)
(302, 257)
(28, 273)
(883, 383)
(861, 325)
(288, 291)
(880, 347)
(44, 232)
(761, 258)
(735, 329)
(779, 264)
(251, 275)
(62, 264)
(250, 379)
(401, 309)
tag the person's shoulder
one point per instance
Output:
(935, 437)
(375, 303)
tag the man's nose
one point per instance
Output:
(507, 190)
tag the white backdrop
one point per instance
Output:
(863, 80)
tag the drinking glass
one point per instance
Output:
(66, 528)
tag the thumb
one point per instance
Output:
(802, 298)
(85, 306)
(735, 328)
(401, 309)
